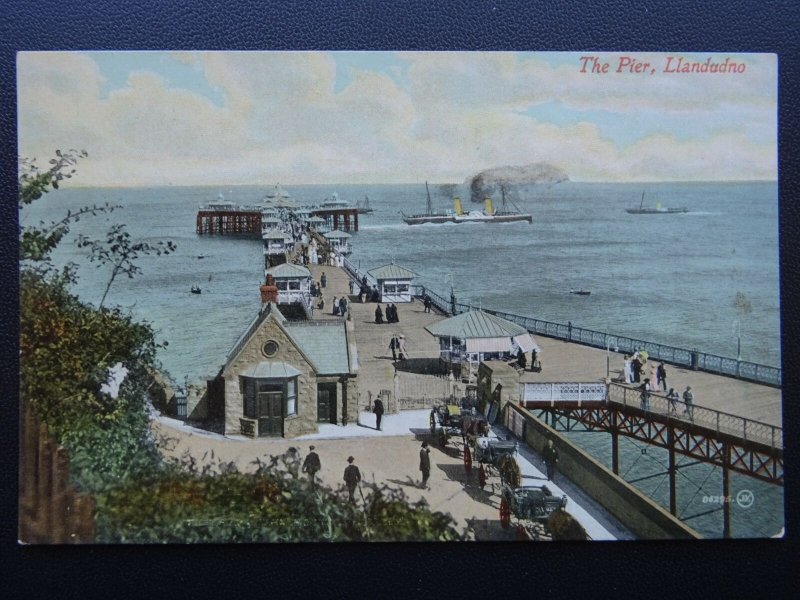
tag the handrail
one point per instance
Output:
(693, 359)
(717, 420)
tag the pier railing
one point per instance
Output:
(693, 359)
(721, 422)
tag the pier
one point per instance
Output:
(229, 222)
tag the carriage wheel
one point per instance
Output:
(433, 423)
(467, 460)
(482, 477)
(505, 514)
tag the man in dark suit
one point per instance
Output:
(378, 410)
(352, 477)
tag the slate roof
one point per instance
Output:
(337, 234)
(325, 345)
(475, 324)
(288, 270)
(391, 272)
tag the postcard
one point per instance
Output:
(398, 296)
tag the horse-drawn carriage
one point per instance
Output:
(528, 503)
(456, 420)
(495, 457)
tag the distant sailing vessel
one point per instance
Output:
(658, 210)
(363, 206)
(580, 292)
(487, 215)
(429, 216)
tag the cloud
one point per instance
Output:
(282, 119)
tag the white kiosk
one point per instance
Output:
(394, 282)
(338, 241)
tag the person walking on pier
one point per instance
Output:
(335, 307)
(378, 410)
(323, 280)
(661, 376)
(378, 315)
(673, 398)
(401, 347)
(636, 365)
(521, 359)
(425, 464)
(393, 344)
(550, 456)
(628, 369)
(644, 397)
(352, 477)
(311, 465)
(427, 304)
(688, 399)
(342, 306)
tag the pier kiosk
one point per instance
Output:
(394, 282)
(338, 241)
(269, 223)
(318, 223)
(276, 245)
(294, 286)
(467, 339)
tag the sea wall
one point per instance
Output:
(645, 518)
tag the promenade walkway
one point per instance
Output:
(562, 361)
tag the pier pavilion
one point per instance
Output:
(294, 285)
(394, 282)
(474, 336)
(338, 241)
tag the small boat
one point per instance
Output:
(201, 256)
(363, 206)
(580, 292)
(196, 290)
(657, 210)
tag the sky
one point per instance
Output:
(261, 118)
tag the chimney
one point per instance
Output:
(269, 291)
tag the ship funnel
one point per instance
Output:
(489, 209)
(457, 206)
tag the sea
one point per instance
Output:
(707, 279)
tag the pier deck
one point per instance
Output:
(562, 361)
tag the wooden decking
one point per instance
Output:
(561, 361)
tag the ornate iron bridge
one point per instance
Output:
(708, 436)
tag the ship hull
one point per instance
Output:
(656, 211)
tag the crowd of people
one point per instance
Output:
(635, 371)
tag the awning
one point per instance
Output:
(500, 344)
(271, 370)
(526, 342)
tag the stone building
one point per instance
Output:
(282, 378)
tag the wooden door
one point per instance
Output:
(270, 414)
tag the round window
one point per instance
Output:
(270, 348)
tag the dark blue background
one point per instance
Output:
(679, 570)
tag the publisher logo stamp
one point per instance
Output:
(745, 498)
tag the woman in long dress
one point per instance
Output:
(628, 370)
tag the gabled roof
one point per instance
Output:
(337, 234)
(288, 270)
(475, 324)
(391, 272)
(324, 344)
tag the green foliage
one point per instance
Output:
(66, 348)
(271, 504)
(37, 242)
